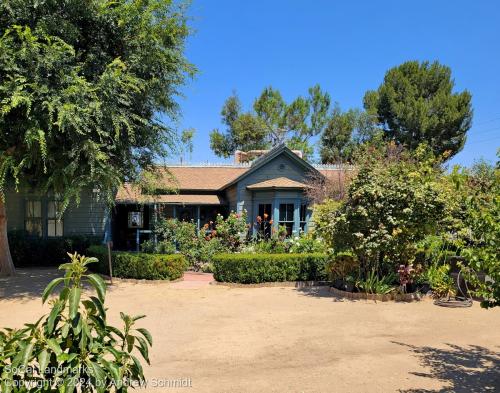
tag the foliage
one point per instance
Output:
(73, 347)
(272, 121)
(306, 243)
(408, 274)
(81, 88)
(344, 133)
(37, 251)
(393, 203)
(258, 268)
(438, 277)
(416, 104)
(342, 265)
(374, 284)
(140, 265)
(478, 234)
(232, 231)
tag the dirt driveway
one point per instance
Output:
(220, 339)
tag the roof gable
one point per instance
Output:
(265, 159)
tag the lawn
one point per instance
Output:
(295, 340)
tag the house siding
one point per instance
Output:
(281, 166)
(89, 217)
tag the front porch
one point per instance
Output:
(133, 223)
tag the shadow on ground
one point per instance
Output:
(322, 292)
(470, 369)
(28, 283)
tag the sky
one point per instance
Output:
(346, 47)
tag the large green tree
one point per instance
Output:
(272, 121)
(344, 133)
(416, 103)
(83, 86)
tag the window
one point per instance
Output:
(33, 217)
(55, 224)
(303, 217)
(265, 219)
(286, 217)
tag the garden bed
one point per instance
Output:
(398, 297)
(295, 284)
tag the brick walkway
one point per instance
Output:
(193, 280)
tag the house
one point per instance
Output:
(270, 184)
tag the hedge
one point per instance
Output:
(258, 268)
(139, 265)
(29, 251)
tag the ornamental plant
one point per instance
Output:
(232, 231)
(393, 203)
(73, 347)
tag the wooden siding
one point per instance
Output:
(88, 218)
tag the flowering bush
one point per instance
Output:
(232, 231)
(306, 243)
(394, 202)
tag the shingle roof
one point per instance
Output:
(128, 193)
(279, 182)
(209, 178)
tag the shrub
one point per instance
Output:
(342, 265)
(140, 265)
(306, 243)
(441, 283)
(29, 251)
(258, 268)
(233, 230)
(74, 339)
(394, 202)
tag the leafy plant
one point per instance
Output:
(342, 265)
(374, 284)
(73, 347)
(441, 283)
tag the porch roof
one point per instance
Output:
(129, 193)
(280, 182)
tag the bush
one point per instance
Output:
(30, 251)
(342, 266)
(394, 202)
(140, 265)
(258, 268)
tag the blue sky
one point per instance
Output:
(346, 47)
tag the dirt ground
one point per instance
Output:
(220, 339)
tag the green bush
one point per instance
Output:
(139, 265)
(30, 251)
(258, 268)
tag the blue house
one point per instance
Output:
(269, 184)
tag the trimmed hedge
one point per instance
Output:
(139, 265)
(28, 251)
(258, 268)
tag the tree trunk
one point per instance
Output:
(6, 264)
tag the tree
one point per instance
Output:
(187, 137)
(416, 104)
(272, 121)
(82, 86)
(344, 133)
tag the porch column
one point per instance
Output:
(198, 217)
(296, 218)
